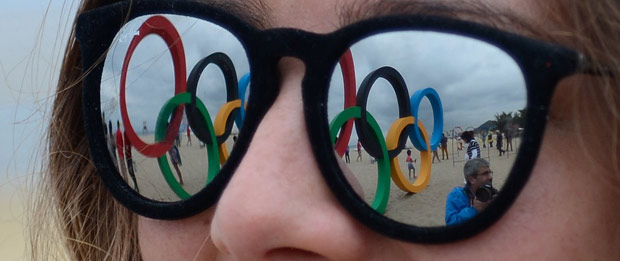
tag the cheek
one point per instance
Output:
(184, 239)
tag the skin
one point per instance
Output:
(271, 210)
(477, 182)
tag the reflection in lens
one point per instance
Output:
(170, 103)
(453, 84)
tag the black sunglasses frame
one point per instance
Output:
(542, 64)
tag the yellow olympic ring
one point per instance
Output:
(425, 157)
(220, 125)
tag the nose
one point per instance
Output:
(277, 205)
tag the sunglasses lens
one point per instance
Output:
(173, 94)
(392, 99)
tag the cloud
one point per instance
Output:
(150, 80)
(474, 79)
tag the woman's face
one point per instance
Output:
(272, 210)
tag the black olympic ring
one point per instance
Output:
(402, 95)
(193, 115)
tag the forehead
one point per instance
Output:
(483, 169)
(324, 16)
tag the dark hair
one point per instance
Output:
(467, 135)
(409, 152)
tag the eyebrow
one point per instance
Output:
(257, 13)
(254, 12)
(474, 11)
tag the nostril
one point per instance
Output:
(290, 253)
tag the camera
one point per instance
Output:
(486, 192)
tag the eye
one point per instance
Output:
(419, 85)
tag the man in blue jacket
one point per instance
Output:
(462, 204)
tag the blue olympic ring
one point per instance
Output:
(414, 133)
(244, 83)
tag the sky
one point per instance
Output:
(34, 33)
(474, 80)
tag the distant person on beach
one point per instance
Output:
(112, 144)
(462, 203)
(410, 166)
(490, 139)
(347, 159)
(120, 147)
(144, 130)
(177, 140)
(483, 138)
(129, 158)
(435, 156)
(473, 149)
(359, 151)
(499, 144)
(175, 158)
(509, 135)
(189, 137)
(444, 146)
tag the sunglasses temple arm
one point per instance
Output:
(588, 66)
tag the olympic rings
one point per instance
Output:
(348, 77)
(398, 133)
(414, 133)
(160, 129)
(230, 76)
(244, 83)
(161, 26)
(379, 203)
(222, 117)
(425, 157)
(402, 95)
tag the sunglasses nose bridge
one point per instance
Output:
(282, 42)
(289, 66)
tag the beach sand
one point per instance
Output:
(152, 183)
(426, 208)
(12, 220)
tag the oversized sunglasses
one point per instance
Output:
(171, 87)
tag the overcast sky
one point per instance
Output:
(474, 80)
(33, 34)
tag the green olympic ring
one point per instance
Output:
(379, 203)
(160, 133)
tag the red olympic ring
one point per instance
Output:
(161, 26)
(348, 76)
